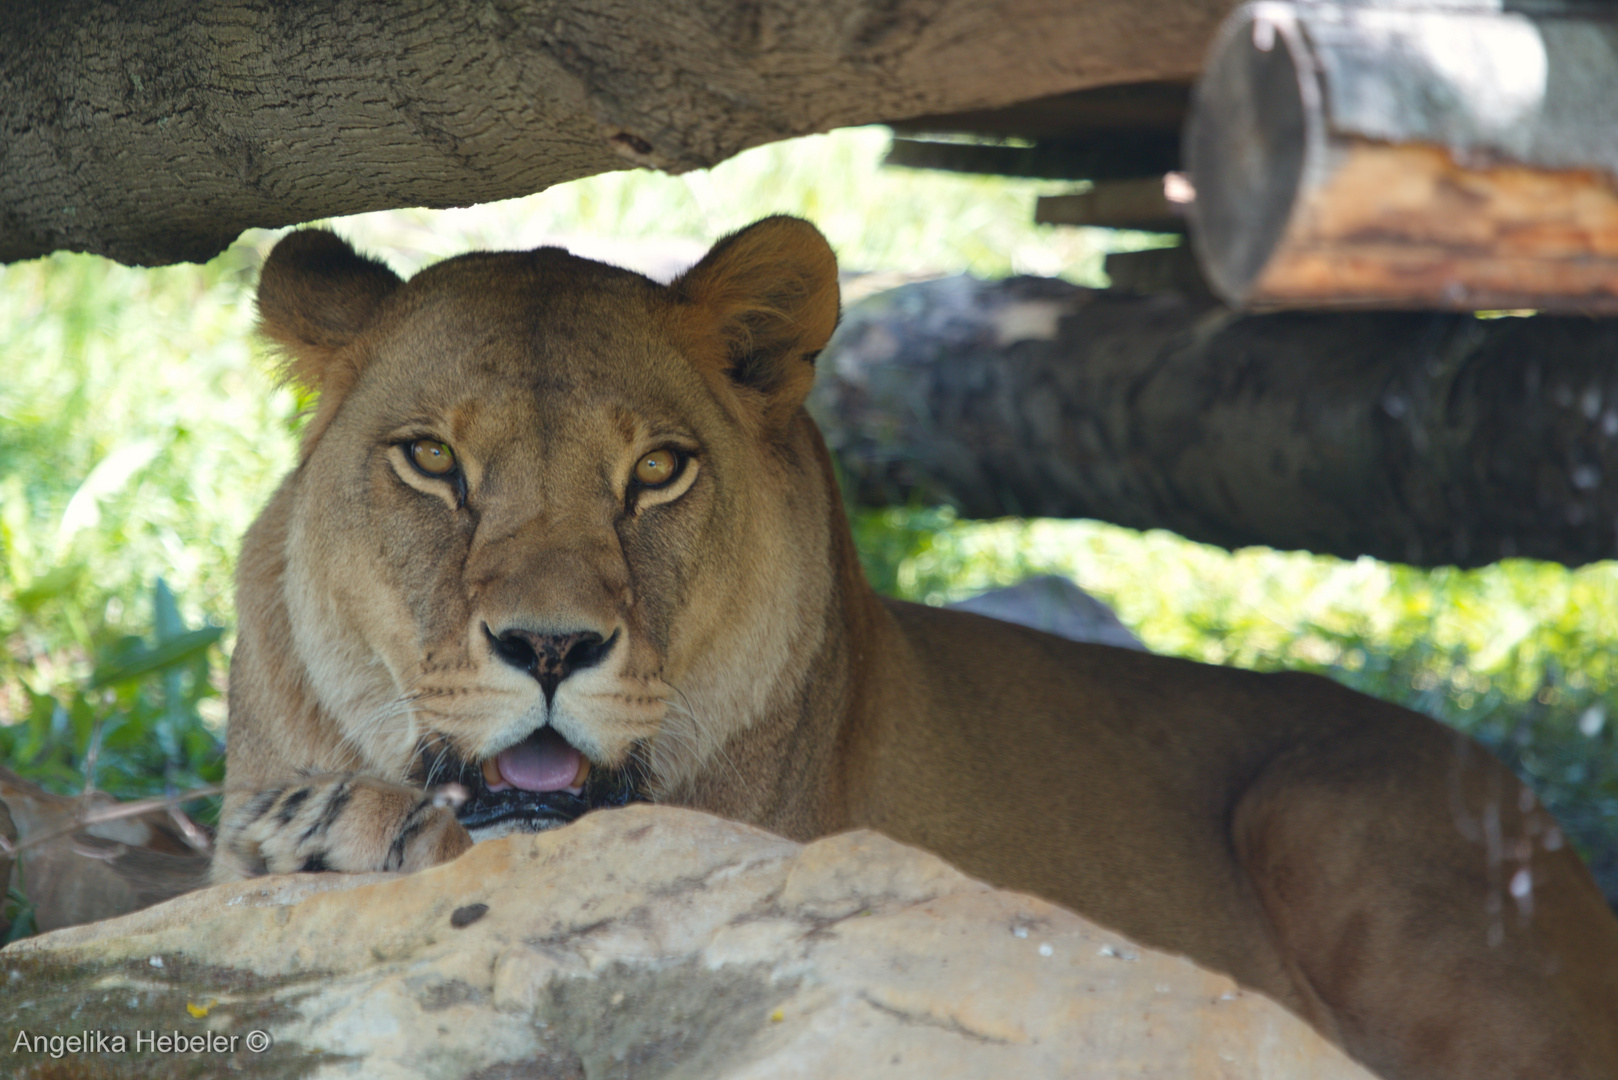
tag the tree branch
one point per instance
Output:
(155, 131)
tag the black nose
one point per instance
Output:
(550, 658)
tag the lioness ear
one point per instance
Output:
(760, 306)
(315, 296)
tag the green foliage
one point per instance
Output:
(138, 435)
(134, 726)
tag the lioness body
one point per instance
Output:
(551, 512)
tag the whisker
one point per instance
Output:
(686, 733)
(443, 751)
(360, 733)
(428, 693)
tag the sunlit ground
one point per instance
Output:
(140, 430)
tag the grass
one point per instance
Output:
(140, 430)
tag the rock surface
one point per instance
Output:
(643, 942)
(1055, 605)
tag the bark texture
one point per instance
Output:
(154, 131)
(1430, 439)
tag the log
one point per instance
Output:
(1105, 133)
(1151, 203)
(1098, 157)
(154, 131)
(1425, 438)
(1409, 156)
(1157, 270)
(1156, 107)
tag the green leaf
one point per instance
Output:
(144, 661)
(50, 586)
(166, 612)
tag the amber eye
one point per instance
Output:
(432, 457)
(657, 468)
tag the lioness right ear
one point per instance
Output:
(315, 296)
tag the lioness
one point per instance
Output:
(566, 536)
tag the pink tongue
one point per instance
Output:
(542, 762)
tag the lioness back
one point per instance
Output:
(562, 537)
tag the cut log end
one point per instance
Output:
(1298, 207)
(1408, 226)
(1245, 146)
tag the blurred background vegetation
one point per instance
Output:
(141, 429)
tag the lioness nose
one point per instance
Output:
(550, 658)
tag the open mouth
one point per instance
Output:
(538, 784)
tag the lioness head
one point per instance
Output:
(549, 514)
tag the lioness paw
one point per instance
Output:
(349, 823)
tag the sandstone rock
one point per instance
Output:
(1055, 605)
(643, 942)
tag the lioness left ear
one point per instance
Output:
(760, 306)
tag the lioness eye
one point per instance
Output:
(657, 468)
(432, 457)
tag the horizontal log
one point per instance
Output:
(1425, 438)
(1141, 203)
(1157, 270)
(154, 131)
(1405, 156)
(1158, 107)
(1104, 156)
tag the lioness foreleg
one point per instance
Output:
(347, 823)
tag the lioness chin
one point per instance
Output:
(567, 537)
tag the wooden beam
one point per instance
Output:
(1163, 270)
(1159, 107)
(1142, 203)
(1409, 156)
(1104, 156)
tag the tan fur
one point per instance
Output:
(1349, 858)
